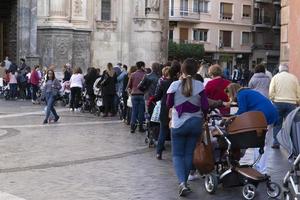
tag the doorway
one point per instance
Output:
(184, 35)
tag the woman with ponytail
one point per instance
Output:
(189, 104)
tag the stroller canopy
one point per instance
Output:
(289, 135)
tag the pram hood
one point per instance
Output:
(288, 136)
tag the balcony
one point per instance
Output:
(226, 16)
(263, 1)
(262, 22)
(180, 15)
(277, 2)
(266, 46)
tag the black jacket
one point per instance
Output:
(161, 94)
(108, 84)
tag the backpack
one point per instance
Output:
(145, 84)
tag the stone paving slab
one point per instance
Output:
(88, 158)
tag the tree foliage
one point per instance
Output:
(182, 51)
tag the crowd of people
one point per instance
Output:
(186, 89)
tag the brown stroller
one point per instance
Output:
(241, 132)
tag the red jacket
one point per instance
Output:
(215, 89)
(34, 77)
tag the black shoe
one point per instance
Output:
(45, 121)
(141, 129)
(183, 190)
(159, 156)
(56, 119)
(132, 128)
(275, 146)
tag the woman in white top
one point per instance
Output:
(76, 82)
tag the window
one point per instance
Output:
(246, 38)
(184, 7)
(106, 10)
(226, 11)
(200, 35)
(171, 35)
(246, 11)
(200, 6)
(225, 39)
(172, 7)
(203, 6)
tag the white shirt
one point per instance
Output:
(77, 80)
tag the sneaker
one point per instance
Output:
(56, 119)
(183, 190)
(132, 128)
(159, 156)
(71, 109)
(45, 121)
(194, 176)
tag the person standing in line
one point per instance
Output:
(76, 84)
(137, 97)
(109, 90)
(236, 75)
(285, 93)
(13, 85)
(51, 90)
(189, 106)
(215, 89)
(161, 95)
(34, 82)
(260, 81)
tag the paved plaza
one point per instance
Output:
(84, 157)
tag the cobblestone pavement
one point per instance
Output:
(87, 158)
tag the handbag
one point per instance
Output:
(203, 159)
(156, 113)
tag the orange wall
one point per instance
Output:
(294, 37)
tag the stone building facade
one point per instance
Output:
(84, 32)
(290, 31)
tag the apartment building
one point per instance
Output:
(224, 27)
(266, 33)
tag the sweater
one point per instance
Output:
(251, 100)
(284, 88)
(134, 81)
(215, 90)
(77, 80)
(261, 83)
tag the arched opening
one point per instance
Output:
(8, 29)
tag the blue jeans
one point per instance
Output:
(138, 109)
(13, 87)
(50, 99)
(283, 110)
(163, 131)
(184, 141)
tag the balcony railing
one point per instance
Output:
(266, 46)
(184, 15)
(263, 1)
(226, 16)
(262, 21)
(277, 2)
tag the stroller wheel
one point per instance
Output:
(211, 183)
(287, 196)
(249, 191)
(273, 189)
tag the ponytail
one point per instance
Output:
(187, 86)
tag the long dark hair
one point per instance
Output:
(188, 69)
(47, 77)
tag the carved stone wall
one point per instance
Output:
(61, 46)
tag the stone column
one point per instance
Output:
(27, 31)
(58, 10)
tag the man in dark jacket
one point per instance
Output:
(137, 97)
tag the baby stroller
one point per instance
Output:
(152, 126)
(98, 100)
(289, 139)
(242, 132)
